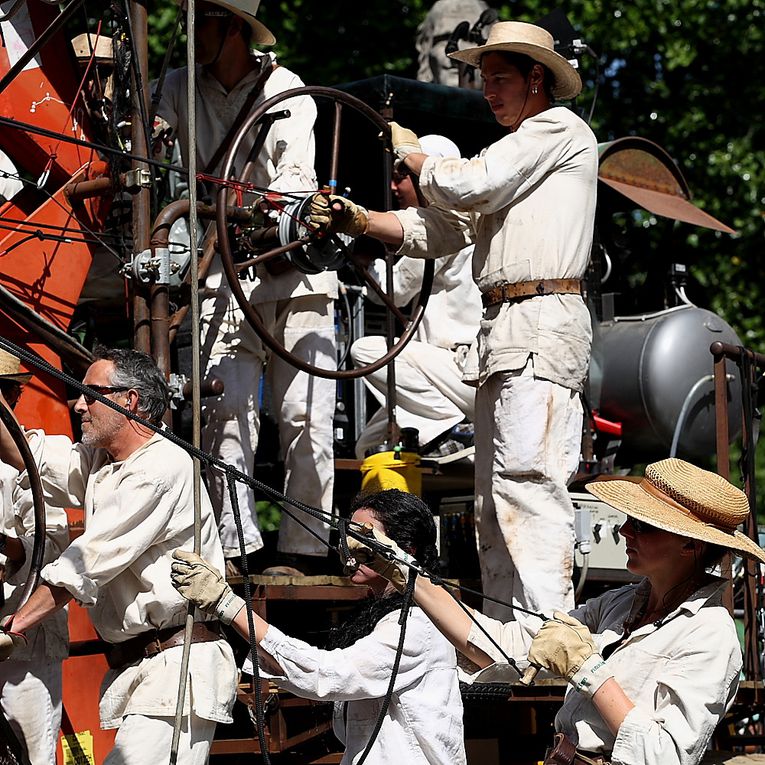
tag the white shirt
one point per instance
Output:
(137, 511)
(423, 724)
(49, 640)
(286, 162)
(528, 203)
(682, 676)
(454, 306)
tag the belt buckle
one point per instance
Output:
(153, 647)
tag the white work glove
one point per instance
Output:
(331, 213)
(404, 141)
(565, 646)
(205, 587)
(9, 640)
(395, 572)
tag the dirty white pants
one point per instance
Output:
(304, 407)
(30, 695)
(430, 394)
(142, 740)
(528, 438)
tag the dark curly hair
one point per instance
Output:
(408, 521)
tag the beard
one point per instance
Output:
(101, 433)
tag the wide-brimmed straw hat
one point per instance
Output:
(684, 499)
(246, 9)
(531, 41)
(10, 369)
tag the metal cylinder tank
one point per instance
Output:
(655, 367)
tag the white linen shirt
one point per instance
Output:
(528, 203)
(682, 674)
(137, 511)
(454, 306)
(423, 724)
(49, 640)
(285, 163)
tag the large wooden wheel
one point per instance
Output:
(306, 251)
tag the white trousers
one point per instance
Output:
(430, 394)
(142, 740)
(304, 407)
(528, 438)
(30, 694)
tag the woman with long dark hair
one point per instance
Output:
(423, 722)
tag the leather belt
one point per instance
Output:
(563, 752)
(509, 293)
(151, 643)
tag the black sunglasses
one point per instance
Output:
(641, 527)
(103, 390)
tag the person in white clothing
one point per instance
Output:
(528, 204)
(136, 489)
(652, 666)
(10, 183)
(430, 393)
(423, 723)
(297, 308)
(30, 682)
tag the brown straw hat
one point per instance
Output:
(531, 41)
(10, 369)
(684, 499)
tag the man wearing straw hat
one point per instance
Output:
(528, 203)
(297, 308)
(30, 682)
(652, 666)
(136, 490)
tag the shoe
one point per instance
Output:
(454, 444)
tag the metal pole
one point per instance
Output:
(139, 147)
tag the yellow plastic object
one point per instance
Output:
(392, 470)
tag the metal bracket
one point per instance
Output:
(158, 267)
(136, 179)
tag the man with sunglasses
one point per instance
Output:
(136, 490)
(298, 309)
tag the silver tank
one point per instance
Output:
(647, 369)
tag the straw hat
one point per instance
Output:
(531, 41)
(86, 44)
(246, 9)
(10, 369)
(683, 499)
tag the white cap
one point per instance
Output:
(439, 146)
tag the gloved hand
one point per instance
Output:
(565, 646)
(331, 213)
(404, 141)
(205, 587)
(396, 573)
(9, 640)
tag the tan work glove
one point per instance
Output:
(404, 141)
(565, 646)
(205, 587)
(9, 640)
(331, 213)
(395, 572)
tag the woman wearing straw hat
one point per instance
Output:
(654, 665)
(528, 203)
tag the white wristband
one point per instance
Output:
(591, 675)
(229, 605)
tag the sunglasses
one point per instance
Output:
(103, 390)
(641, 527)
(11, 392)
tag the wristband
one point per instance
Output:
(229, 605)
(591, 675)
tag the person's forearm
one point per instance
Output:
(241, 625)
(449, 618)
(612, 704)
(386, 227)
(44, 601)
